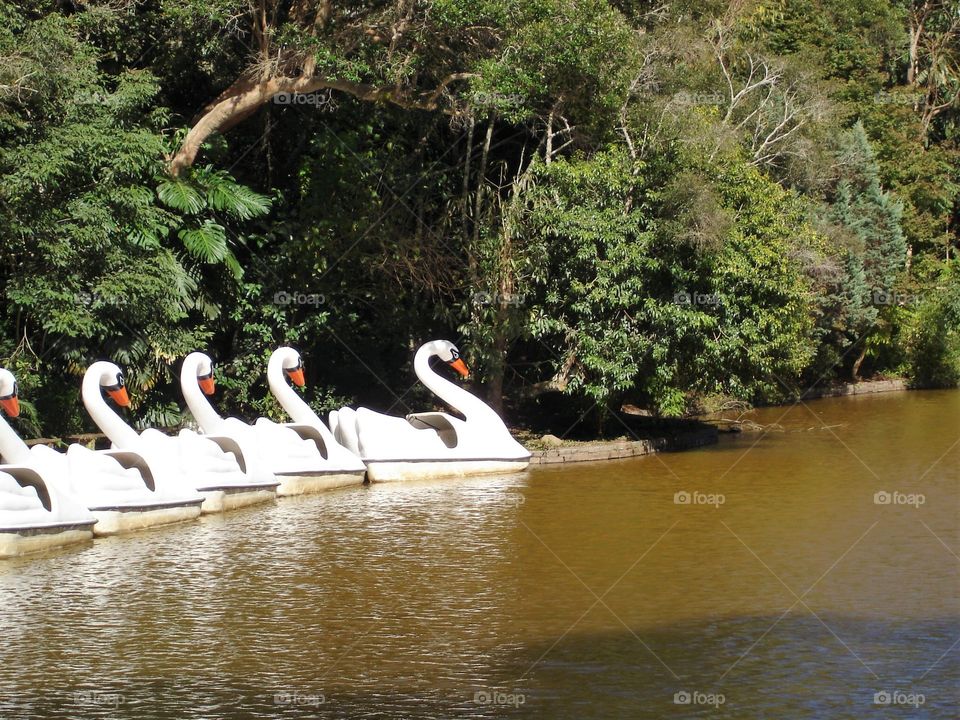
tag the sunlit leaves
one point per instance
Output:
(181, 196)
(228, 196)
(208, 241)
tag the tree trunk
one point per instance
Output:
(855, 371)
(914, 60)
(465, 209)
(918, 18)
(481, 180)
(502, 323)
(496, 371)
(548, 154)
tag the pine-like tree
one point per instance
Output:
(878, 251)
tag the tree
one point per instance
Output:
(933, 58)
(766, 101)
(933, 338)
(101, 254)
(634, 302)
(877, 256)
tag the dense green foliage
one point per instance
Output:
(604, 202)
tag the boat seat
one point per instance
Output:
(308, 432)
(135, 461)
(438, 422)
(26, 477)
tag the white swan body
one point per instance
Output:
(205, 470)
(35, 514)
(295, 454)
(339, 466)
(432, 444)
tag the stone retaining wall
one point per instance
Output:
(861, 388)
(619, 449)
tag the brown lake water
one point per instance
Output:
(764, 577)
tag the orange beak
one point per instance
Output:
(461, 367)
(120, 396)
(208, 385)
(296, 377)
(11, 406)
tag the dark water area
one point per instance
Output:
(808, 572)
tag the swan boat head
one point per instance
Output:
(292, 365)
(448, 352)
(205, 370)
(9, 400)
(113, 383)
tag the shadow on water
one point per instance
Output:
(729, 669)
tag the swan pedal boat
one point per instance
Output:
(432, 444)
(116, 487)
(342, 467)
(211, 471)
(34, 517)
(304, 458)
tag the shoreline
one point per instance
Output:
(623, 449)
(866, 387)
(601, 450)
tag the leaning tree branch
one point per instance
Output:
(247, 95)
